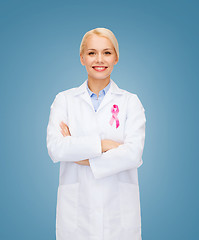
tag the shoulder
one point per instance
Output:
(133, 101)
(66, 93)
(61, 97)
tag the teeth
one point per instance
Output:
(100, 68)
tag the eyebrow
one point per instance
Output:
(95, 49)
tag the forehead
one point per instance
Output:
(98, 42)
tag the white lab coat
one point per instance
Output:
(100, 201)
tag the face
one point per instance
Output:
(99, 57)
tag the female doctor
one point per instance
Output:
(97, 132)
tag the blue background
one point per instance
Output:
(159, 52)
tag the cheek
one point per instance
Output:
(111, 65)
(112, 61)
(88, 62)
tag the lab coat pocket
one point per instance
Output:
(67, 205)
(129, 205)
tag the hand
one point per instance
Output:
(65, 132)
(83, 162)
(109, 144)
(64, 129)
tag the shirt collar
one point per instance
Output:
(114, 89)
(104, 91)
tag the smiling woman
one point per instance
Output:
(99, 57)
(97, 132)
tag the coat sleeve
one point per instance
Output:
(129, 154)
(69, 148)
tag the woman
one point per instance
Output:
(97, 133)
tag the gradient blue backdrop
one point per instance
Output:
(159, 52)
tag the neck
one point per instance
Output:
(96, 85)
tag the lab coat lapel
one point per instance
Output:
(112, 92)
(85, 96)
(107, 98)
(83, 93)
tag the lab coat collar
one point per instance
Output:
(113, 88)
(83, 93)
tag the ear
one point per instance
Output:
(82, 59)
(116, 60)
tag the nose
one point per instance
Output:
(99, 57)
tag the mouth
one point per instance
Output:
(99, 68)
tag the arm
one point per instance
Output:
(129, 154)
(68, 148)
(106, 143)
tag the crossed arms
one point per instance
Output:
(105, 157)
(106, 144)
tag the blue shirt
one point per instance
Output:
(96, 101)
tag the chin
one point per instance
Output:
(100, 78)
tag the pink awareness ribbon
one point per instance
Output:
(114, 111)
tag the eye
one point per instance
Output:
(107, 53)
(91, 53)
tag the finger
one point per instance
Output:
(67, 131)
(64, 129)
(63, 133)
(61, 125)
(80, 163)
(64, 124)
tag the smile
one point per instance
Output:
(99, 69)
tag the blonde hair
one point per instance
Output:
(102, 32)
